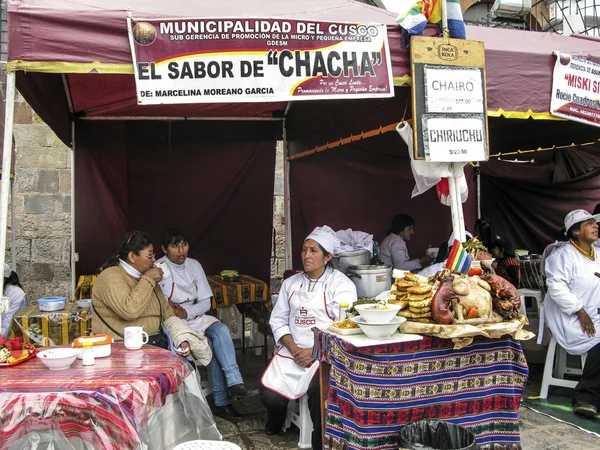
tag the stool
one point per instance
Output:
(554, 374)
(536, 294)
(299, 415)
(206, 445)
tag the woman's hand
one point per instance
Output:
(303, 357)
(586, 323)
(155, 273)
(185, 349)
(178, 310)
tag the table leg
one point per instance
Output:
(324, 383)
(243, 331)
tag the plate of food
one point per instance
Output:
(345, 327)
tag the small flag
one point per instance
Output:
(458, 259)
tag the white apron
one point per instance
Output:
(184, 295)
(283, 375)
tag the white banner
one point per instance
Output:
(453, 89)
(454, 139)
(258, 60)
(576, 89)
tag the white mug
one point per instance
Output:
(134, 337)
(164, 265)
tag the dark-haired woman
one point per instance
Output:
(306, 300)
(16, 298)
(189, 295)
(127, 293)
(393, 250)
(571, 306)
(506, 263)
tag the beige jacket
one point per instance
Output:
(124, 301)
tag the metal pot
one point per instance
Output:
(342, 261)
(370, 280)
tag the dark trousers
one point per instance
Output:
(277, 409)
(588, 388)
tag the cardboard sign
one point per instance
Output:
(449, 100)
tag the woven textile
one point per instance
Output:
(248, 293)
(375, 391)
(531, 277)
(107, 406)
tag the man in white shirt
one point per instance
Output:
(189, 294)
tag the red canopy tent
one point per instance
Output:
(149, 167)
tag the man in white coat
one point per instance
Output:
(189, 294)
(572, 304)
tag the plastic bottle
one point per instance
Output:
(88, 354)
(343, 308)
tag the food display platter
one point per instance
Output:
(361, 340)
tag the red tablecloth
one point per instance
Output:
(106, 405)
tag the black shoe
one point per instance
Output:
(228, 412)
(270, 431)
(585, 409)
(241, 390)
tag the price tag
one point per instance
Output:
(455, 138)
(453, 89)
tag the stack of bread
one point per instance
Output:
(414, 295)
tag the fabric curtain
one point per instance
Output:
(211, 179)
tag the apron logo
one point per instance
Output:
(303, 318)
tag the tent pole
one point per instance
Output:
(286, 194)
(173, 118)
(6, 165)
(478, 181)
(74, 254)
(13, 239)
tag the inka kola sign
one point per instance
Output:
(576, 89)
(449, 100)
(257, 60)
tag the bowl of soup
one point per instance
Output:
(377, 313)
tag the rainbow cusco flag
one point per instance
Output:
(458, 259)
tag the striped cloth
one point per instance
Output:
(415, 16)
(375, 391)
(107, 406)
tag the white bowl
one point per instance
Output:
(58, 358)
(381, 330)
(85, 303)
(372, 314)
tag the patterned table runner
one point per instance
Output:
(375, 391)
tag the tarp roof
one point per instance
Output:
(87, 39)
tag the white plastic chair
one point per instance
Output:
(207, 445)
(555, 370)
(251, 336)
(536, 294)
(299, 415)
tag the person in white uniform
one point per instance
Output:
(306, 300)
(571, 307)
(16, 298)
(189, 294)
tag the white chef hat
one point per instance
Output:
(325, 238)
(577, 216)
(7, 271)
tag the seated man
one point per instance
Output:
(189, 295)
(571, 307)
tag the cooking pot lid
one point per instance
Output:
(370, 267)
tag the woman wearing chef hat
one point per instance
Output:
(571, 307)
(306, 300)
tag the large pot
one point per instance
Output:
(370, 280)
(342, 261)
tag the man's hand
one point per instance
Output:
(178, 310)
(303, 357)
(185, 349)
(586, 323)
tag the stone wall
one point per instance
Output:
(42, 202)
